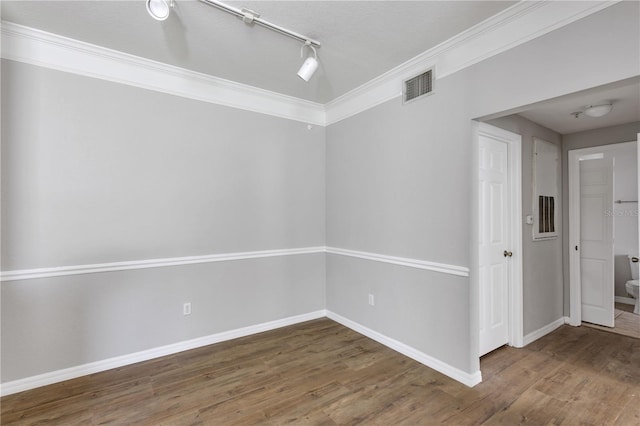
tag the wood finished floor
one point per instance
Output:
(626, 322)
(322, 373)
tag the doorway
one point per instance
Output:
(594, 241)
(499, 237)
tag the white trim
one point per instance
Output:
(469, 379)
(575, 297)
(575, 283)
(626, 300)
(511, 27)
(36, 47)
(59, 271)
(20, 385)
(515, 25)
(403, 261)
(516, 297)
(514, 143)
(27, 274)
(543, 331)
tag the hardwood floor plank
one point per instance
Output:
(626, 322)
(532, 407)
(321, 373)
(630, 415)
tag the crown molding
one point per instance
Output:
(36, 47)
(512, 27)
(515, 25)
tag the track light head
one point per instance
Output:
(159, 9)
(310, 65)
(308, 68)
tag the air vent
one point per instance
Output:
(418, 86)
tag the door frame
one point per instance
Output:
(575, 283)
(515, 287)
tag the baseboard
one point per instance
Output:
(20, 385)
(543, 331)
(626, 300)
(8, 388)
(469, 379)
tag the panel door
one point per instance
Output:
(596, 240)
(494, 241)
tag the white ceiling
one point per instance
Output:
(360, 39)
(557, 114)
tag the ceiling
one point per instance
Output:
(360, 39)
(556, 114)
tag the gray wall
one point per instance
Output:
(95, 172)
(113, 173)
(604, 136)
(400, 182)
(55, 323)
(542, 259)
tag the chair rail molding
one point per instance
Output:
(27, 274)
(461, 271)
(58, 271)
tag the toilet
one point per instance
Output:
(633, 288)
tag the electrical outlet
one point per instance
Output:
(186, 308)
(371, 300)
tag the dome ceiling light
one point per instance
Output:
(595, 110)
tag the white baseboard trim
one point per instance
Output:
(626, 300)
(469, 379)
(543, 331)
(27, 383)
(20, 385)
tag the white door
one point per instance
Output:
(494, 243)
(596, 240)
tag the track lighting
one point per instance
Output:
(310, 65)
(595, 110)
(159, 9)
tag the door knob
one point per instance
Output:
(507, 254)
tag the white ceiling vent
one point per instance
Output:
(417, 86)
